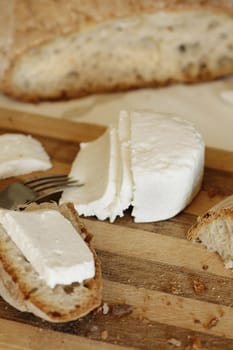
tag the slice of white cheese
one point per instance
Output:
(126, 189)
(96, 165)
(51, 244)
(21, 154)
(104, 167)
(167, 165)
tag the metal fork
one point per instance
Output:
(23, 192)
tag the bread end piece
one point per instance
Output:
(21, 287)
(215, 231)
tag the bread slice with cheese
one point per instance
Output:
(214, 230)
(22, 287)
(60, 49)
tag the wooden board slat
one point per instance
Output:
(160, 290)
(59, 129)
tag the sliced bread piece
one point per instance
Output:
(214, 230)
(21, 286)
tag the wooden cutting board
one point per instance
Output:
(160, 291)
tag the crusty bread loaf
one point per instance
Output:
(214, 229)
(21, 287)
(65, 49)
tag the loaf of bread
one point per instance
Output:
(21, 286)
(51, 50)
(214, 230)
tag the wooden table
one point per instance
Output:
(160, 291)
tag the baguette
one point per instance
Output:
(52, 50)
(214, 230)
(21, 286)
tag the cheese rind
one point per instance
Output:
(167, 165)
(51, 244)
(21, 154)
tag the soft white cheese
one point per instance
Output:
(96, 165)
(21, 154)
(51, 244)
(167, 165)
(124, 190)
(154, 162)
(104, 167)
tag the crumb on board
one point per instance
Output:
(212, 322)
(175, 342)
(195, 344)
(175, 288)
(199, 287)
(105, 308)
(104, 334)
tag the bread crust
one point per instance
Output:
(39, 22)
(186, 78)
(34, 295)
(36, 22)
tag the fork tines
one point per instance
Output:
(51, 181)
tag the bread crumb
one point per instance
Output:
(195, 344)
(212, 322)
(199, 287)
(174, 342)
(104, 334)
(175, 288)
(105, 309)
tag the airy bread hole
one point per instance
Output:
(69, 289)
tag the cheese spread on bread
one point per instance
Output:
(154, 162)
(21, 154)
(51, 244)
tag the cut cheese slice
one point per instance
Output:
(104, 167)
(124, 192)
(96, 165)
(21, 154)
(167, 165)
